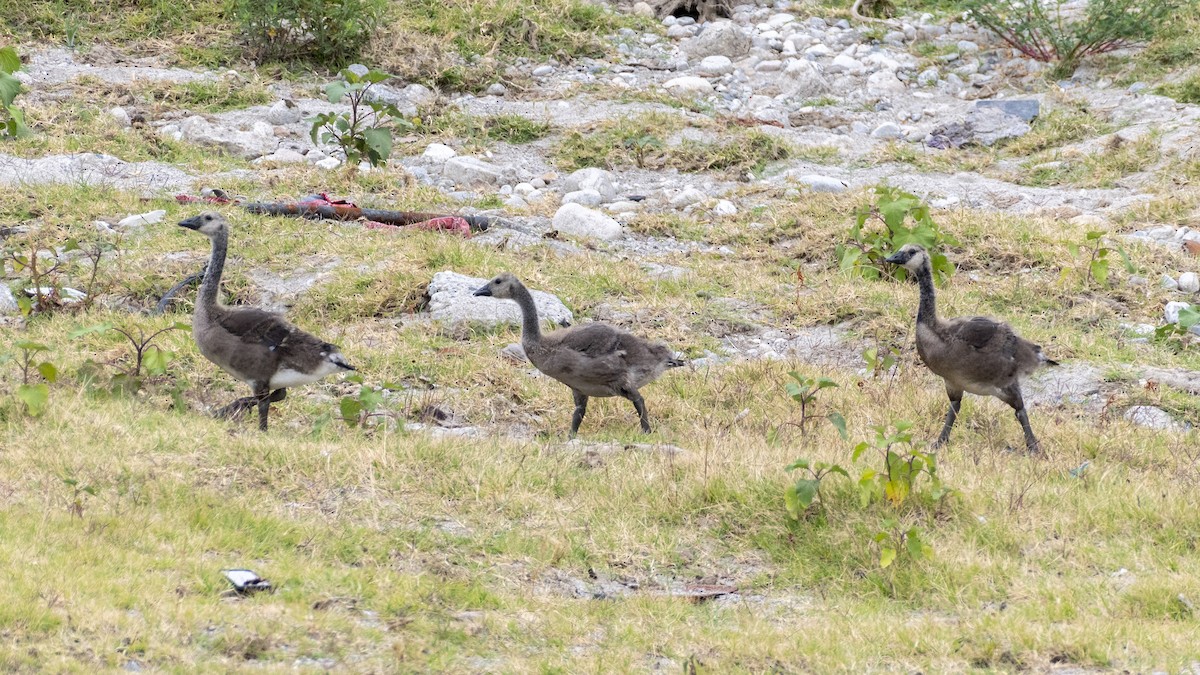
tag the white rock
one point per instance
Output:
(640, 9)
(1088, 220)
(715, 65)
(1172, 310)
(719, 37)
(884, 83)
(451, 301)
(623, 206)
(806, 79)
(524, 189)
(928, 77)
(688, 85)
(887, 130)
(820, 183)
(496, 89)
(580, 221)
(768, 66)
(142, 219)
(1189, 282)
(967, 47)
(1168, 283)
(542, 71)
(467, 171)
(284, 112)
(1152, 417)
(586, 197)
(516, 202)
(256, 141)
(283, 156)
(120, 116)
(725, 207)
(687, 196)
(439, 152)
(313, 156)
(8, 303)
(846, 64)
(591, 178)
(328, 163)
(818, 50)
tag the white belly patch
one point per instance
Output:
(287, 377)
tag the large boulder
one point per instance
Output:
(579, 221)
(250, 143)
(451, 301)
(722, 38)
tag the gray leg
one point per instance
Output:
(580, 411)
(264, 406)
(951, 415)
(245, 403)
(640, 405)
(1012, 396)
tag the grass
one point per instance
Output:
(653, 140)
(1184, 91)
(1101, 168)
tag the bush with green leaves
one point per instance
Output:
(32, 394)
(366, 131)
(325, 32)
(147, 356)
(804, 390)
(905, 220)
(1179, 334)
(1095, 253)
(12, 120)
(1057, 31)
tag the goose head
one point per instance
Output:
(910, 256)
(208, 223)
(500, 287)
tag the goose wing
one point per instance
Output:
(258, 327)
(594, 341)
(979, 331)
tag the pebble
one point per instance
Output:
(329, 163)
(716, 65)
(580, 221)
(820, 183)
(686, 197)
(120, 116)
(439, 152)
(586, 197)
(1168, 283)
(887, 130)
(1151, 417)
(725, 207)
(542, 71)
(497, 89)
(1171, 311)
(769, 66)
(1189, 282)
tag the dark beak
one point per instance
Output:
(897, 258)
(192, 223)
(483, 291)
(347, 366)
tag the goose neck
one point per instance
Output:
(927, 312)
(531, 334)
(212, 276)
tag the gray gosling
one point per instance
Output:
(255, 346)
(975, 354)
(593, 360)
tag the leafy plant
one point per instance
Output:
(366, 131)
(1055, 31)
(50, 262)
(1181, 330)
(35, 396)
(356, 409)
(802, 493)
(903, 466)
(319, 31)
(12, 120)
(79, 494)
(152, 358)
(804, 390)
(642, 146)
(865, 252)
(879, 361)
(1097, 250)
(894, 539)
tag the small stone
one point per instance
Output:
(623, 206)
(121, 117)
(1151, 417)
(580, 221)
(687, 197)
(284, 112)
(884, 83)
(451, 300)
(142, 219)
(282, 156)
(1167, 282)
(769, 66)
(887, 130)
(524, 189)
(846, 64)
(516, 202)
(818, 50)
(587, 197)
(496, 89)
(439, 152)
(719, 37)
(966, 46)
(725, 207)
(1025, 109)
(688, 85)
(329, 163)
(471, 171)
(1138, 87)
(928, 77)
(1086, 219)
(542, 71)
(716, 65)
(1189, 282)
(8, 303)
(819, 183)
(1172, 310)
(639, 9)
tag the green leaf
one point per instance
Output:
(886, 557)
(798, 464)
(839, 423)
(35, 397)
(181, 325)
(9, 88)
(896, 491)
(791, 500)
(1188, 317)
(30, 346)
(806, 491)
(371, 398)
(825, 383)
(859, 450)
(10, 62)
(379, 140)
(334, 91)
(375, 76)
(48, 371)
(837, 469)
(80, 332)
(1100, 271)
(155, 360)
(350, 408)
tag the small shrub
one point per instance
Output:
(1097, 249)
(366, 131)
(34, 395)
(12, 120)
(804, 390)
(1048, 31)
(865, 252)
(1179, 334)
(321, 31)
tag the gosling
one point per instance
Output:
(255, 346)
(975, 354)
(593, 360)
